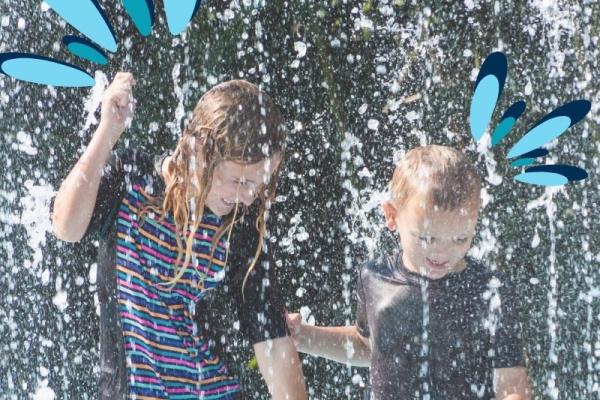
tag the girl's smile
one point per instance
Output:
(234, 183)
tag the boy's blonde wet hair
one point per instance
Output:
(448, 181)
(233, 121)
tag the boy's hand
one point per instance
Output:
(294, 322)
(118, 105)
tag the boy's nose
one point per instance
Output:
(437, 252)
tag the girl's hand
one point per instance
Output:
(294, 322)
(118, 105)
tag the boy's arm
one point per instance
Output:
(74, 203)
(511, 383)
(338, 343)
(344, 344)
(280, 367)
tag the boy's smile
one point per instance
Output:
(434, 241)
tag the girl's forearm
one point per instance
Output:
(338, 343)
(76, 197)
(281, 368)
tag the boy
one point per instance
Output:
(430, 323)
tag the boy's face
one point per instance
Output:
(434, 241)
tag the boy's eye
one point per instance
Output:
(460, 240)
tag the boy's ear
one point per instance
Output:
(390, 214)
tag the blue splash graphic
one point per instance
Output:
(87, 17)
(488, 88)
(542, 178)
(540, 135)
(551, 126)
(180, 13)
(43, 70)
(141, 13)
(85, 49)
(551, 175)
(537, 153)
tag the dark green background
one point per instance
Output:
(432, 52)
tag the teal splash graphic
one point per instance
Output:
(508, 120)
(141, 13)
(85, 49)
(88, 18)
(488, 88)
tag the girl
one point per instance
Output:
(173, 227)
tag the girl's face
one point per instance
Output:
(233, 183)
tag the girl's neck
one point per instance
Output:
(164, 170)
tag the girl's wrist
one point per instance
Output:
(111, 130)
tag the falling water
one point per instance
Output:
(360, 83)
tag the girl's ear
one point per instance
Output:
(390, 214)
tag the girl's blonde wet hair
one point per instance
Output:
(441, 173)
(233, 121)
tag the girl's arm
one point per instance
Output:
(76, 197)
(280, 367)
(338, 343)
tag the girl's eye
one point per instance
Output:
(426, 239)
(460, 240)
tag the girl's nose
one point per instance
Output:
(247, 196)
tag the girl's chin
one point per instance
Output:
(220, 208)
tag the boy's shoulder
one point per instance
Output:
(480, 278)
(381, 266)
(389, 267)
(384, 268)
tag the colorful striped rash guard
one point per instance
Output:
(150, 345)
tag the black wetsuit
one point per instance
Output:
(432, 339)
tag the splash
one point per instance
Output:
(488, 88)
(87, 17)
(36, 217)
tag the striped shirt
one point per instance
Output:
(166, 354)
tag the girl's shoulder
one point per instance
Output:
(133, 161)
(136, 166)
